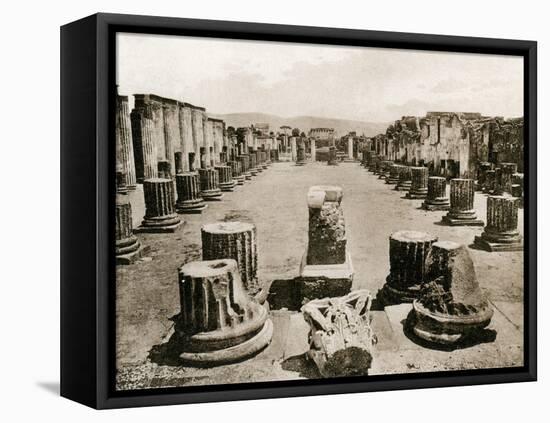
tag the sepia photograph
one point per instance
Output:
(289, 211)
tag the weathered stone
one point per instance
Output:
(237, 241)
(164, 168)
(332, 156)
(160, 214)
(236, 172)
(437, 194)
(209, 184)
(219, 323)
(326, 269)
(225, 177)
(419, 183)
(501, 232)
(461, 212)
(482, 170)
(374, 164)
(245, 163)
(451, 306)
(145, 149)
(393, 177)
(489, 183)
(408, 252)
(340, 336)
(253, 165)
(189, 195)
(385, 169)
(127, 247)
(125, 145)
(404, 182)
(301, 154)
(498, 188)
(508, 170)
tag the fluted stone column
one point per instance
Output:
(160, 213)
(437, 194)
(313, 150)
(350, 149)
(385, 169)
(461, 212)
(408, 253)
(226, 178)
(374, 164)
(293, 149)
(125, 146)
(236, 172)
(326, 269)
(245, 163)
(237, 241)
(419, 183)
(219, 323)
(393, 176)
(482, 170)
(489, 183)
(189, 195)
(164, 169)
(252, 163)
(127, 247)
(497, 186)
(145, 150)
(501, 232)
(332, 156)
(301, 154)
(210, 184)
(451, 307)
(404, 182)
(508, 170)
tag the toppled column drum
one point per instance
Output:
(340, 336)
(451, 306)
(219, 322)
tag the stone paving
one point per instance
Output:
(275, 200)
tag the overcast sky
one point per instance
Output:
(368, 84)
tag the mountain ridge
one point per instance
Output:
(304, 123)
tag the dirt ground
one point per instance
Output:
(275, 200)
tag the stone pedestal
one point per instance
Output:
(245, 164)
(374, 164)
(189, 195)
(404, 182)
(225, 177)
(384, 169)
(326, 269)
(237, 241)
(437, 194)
(482, 170)
(451, 307)
(236, 172)
(340, 337)
(263, 160)
(127, 247)
(408, 253)
(219, 323)
(461, 212)
(419, 183)
(393, 176)
(501, 232)
(160, 213)
(489, 183)
(210, 184)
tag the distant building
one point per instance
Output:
(322, 134)
(262, 128)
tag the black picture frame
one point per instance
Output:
(87, 195)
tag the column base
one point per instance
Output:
(239, 180)
(511, 244)
(389, 295)
(227, 186)
(300, 163)
(253, 172)
(248, 176)
(233, 353)
(403, 186)
(468, 220)
(212, 195)
(435, 206)
(191, 207)
(165, 224)
(417, 195)
(325, 280)
(392, 181)
(129, 250)
(448, 329)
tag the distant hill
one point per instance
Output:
(304, 123)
